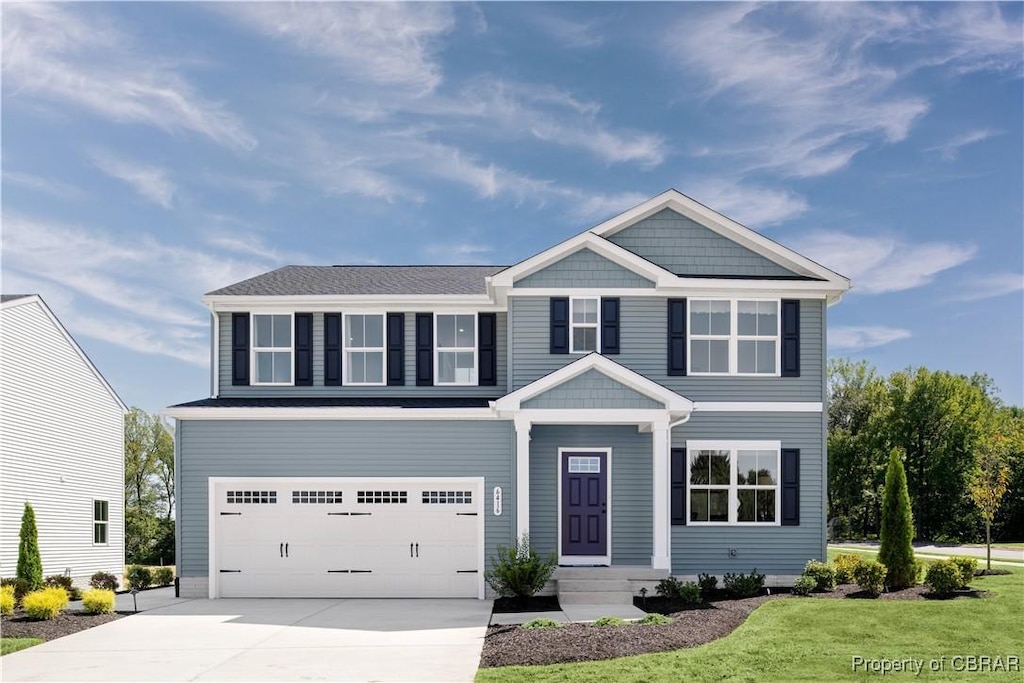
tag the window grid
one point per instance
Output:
(100, 521)
(252, 497)
(584, 464)
(764, 343)
(363, 351)
(447, 497)
(747, 503)
(279, 355)
(457, 351)
(588, 311)
(382, 497)
(317, 497)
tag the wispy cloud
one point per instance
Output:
(951, 149)
(883, 264)
(568, 32)
(151, 182)
(746, 203)
(854, 338)
(50, 186)
(260, 189)
(72, 56)
(988, 286)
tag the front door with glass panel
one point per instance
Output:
(584, 513)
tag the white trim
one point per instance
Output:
(577, 560)
(105, 523)
(475, 378)
(638, 416)
(408, 302)
(522, 428)
(684, 287)
(595, 325)
(734, 337)
(733, 446)
(758, 407)
(330, 413)
(661, 482)
(383, 348)
(215, 361)
(253, 350)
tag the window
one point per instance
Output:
(272, 348)
(447, 497)
(316, 497)
(734, 482)
(364, 349)
(252, 497)
(584, 464)
(100, 520)
(455, 356)
(734, 337)
(583, 324)
(382, 497)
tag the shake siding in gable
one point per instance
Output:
(592, 390)
(584, 268)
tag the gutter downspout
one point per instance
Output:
(214, 352)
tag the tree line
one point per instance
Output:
(956, 436)
(148, 489)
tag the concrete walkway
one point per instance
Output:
(1000, 556)
(270, 640)
(572, 613)
(153, 598)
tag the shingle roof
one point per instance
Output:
(337, 280)
(340, 402)
(4, 298)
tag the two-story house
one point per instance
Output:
(646, 397)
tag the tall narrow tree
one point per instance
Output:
(30, 564)
(897, 550)
(988, 486)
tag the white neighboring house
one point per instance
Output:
(61, 446)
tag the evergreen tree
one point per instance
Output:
(897, 551)
(30, 565)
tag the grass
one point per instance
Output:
(9, 645)
(816, 640)
(997, 562)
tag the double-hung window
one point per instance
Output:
(364, 349)
(455, 348)
(272, 348)
(584, 323)
(733, 482)
(100, 520)
(734, 337)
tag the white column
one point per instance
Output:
(522, 477)
(662, 557)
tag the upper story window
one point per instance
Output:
(272, 348)
(584, 324)
(733, 482)
(455, 349)
(100, 520)
(734, 337)
(364, 349)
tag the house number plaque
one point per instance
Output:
(497, 501)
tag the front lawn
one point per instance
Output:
(9, 645)
(872, 553)
(807, 639)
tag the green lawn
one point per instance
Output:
(9, 645)
(816, 640)
(997, 562)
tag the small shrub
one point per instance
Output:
(656, 619)
(6, 600)
(943, 577)
(804, 585)
(20, 587)
(967, 567)
(139, 577)
(65, 582)
(98, 601)
(46, 603)
(708, 584)
(541, 623)
(870, 576)
(519, 571)
(744, 585)
(103, 580)
(164, 576)
(610, 621)
(824, 575)
(844, 564)
(674, 589)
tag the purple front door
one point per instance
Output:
(584, 503)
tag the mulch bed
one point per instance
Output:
(918, 592)
(72, 621)
(536, 603)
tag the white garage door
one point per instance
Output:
(347, 537)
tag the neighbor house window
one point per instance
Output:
(272, 348)
(734, 337)
(733, 482)
(584, 324)
(364, 349)
(100, 520)
(455, 356)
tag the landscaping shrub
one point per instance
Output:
(896, 551)
(844, 565)
(967, 567)
(519, 571)
(744, 585)
(870, 576)
(943, 577)
(708, 584)
(920, 567)
(656, 619)
(824, 576)
(103, 580)
(610, 621)
(164, 576)
(541, 623)
(30, 565)
(20, 587)
(139, 578)
(674, 589)
(6, 600)
(804, 585)
(98, 601)
(65, 582)
(45, 603)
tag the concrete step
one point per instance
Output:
(593, 585)
(617, 572)
(595, 598)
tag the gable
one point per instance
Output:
(687, 248)
(592, 389)
(584, 269)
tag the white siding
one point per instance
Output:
(61, 446)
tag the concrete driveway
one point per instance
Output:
(270, 640)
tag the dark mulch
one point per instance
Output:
(20, 626)
(918, 592)
(666, 606)
(536, 603)
(992, 572)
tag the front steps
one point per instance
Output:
(603, 585)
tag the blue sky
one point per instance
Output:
(155, 151)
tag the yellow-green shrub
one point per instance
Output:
(7, 600)
(845, 564)
(98, 601)
(46, 603)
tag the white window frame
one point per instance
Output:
(573, 325)
(734, 501)
(734, 337)
(475, 377)
(268, 349)
(345, 349)
(105, 523)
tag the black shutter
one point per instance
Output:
(678, 496)
(790, 337)
(790, 487)
(424, 349)
(676, 337)
(240, 349)
(303, 349)
(488, 349)
(332, 349)
(560, 325)
(396, 349)
(609, 326)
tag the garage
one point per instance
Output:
(346, 537)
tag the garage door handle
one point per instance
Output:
(286, 550)
(281, 550)
(417, 550)
(410, 550)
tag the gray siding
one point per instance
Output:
(584, 268)
(770, 549)
(318, 388)
(336, 449)
(644, 334)
(685, 247)
(592, 390)
(632, 514)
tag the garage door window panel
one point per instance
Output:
(382, 497)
